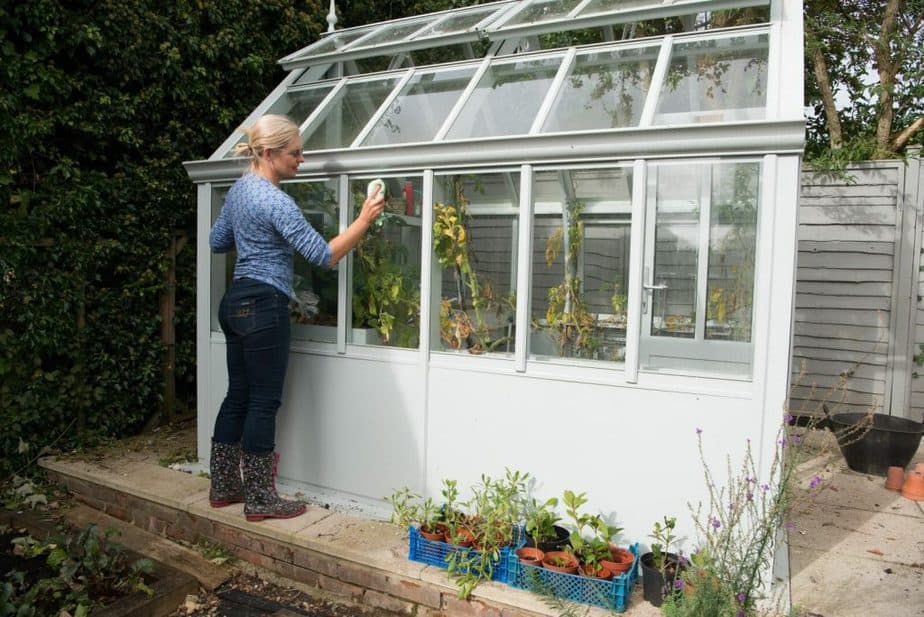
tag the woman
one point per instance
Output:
(265, 226)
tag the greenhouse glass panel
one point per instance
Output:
(297, 105)
(392, 33)
(344, 117)
(475, 227)
(678, 200)
(222, 264)
(715, 80)
(540, 11)
(314, 309)
(603, 90)
(334, 42)
(580, 264)
(418, 112)
(386, 267)
(506, 99)
(732, 251)
(615, 6)
(458, 22)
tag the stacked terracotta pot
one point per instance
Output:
(911, 484)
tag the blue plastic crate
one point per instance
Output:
(612, 594)
(434, 553)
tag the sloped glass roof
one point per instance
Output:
(495, 21)
(717, 76)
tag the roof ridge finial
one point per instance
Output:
(332, 17)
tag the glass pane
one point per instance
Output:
(393, 33)
(542, 10)
(346, 116)
(604, 90)
(474, 247)
(605, 6)
(580, 265)
(732, 251)
(719, 80)
(678, 205)
(386, 267)
(458, 23)
(506, 99)
(334, 42)
(420, 110)
(222, 264)
(314, 312)
(297, 105)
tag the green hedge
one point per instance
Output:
(100, 102)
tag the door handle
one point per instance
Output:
(651, 287)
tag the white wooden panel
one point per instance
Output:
(807, 244)
(845, 274)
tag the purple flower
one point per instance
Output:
(678, 584)
(740, 596)
(750, 496)
(815, 482)
(795, 439)
(765, 487)
(699, 431)
(715, 522)
(741, 614)
(790, 418)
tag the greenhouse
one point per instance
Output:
(587, 253)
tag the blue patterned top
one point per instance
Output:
(265, 225)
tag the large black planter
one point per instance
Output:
(871, 444)
(558, 544)
(654, 586)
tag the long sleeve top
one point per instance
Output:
(266, 227)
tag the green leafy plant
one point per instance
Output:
(410, 509)
(497, 508)
(540, 519)
(86, 570)
(590, 539)
(663, 537)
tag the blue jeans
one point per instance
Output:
(255, 319)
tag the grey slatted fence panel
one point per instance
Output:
(844, 280)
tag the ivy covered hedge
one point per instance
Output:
(101, 101)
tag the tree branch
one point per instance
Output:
(902, 139)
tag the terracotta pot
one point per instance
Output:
(895, 478)
(464, 537)
(621, 561)
(914, 486)
(548, 562)
(530, 556)
(598, 571)
(434, 534)
(919, 467)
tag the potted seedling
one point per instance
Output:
(542, 533)
(498, 508)
(660, 567)
(409, 510)
(453, 521)
(590, 540)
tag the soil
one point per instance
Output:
(254, 594)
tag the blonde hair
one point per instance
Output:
(270, 132)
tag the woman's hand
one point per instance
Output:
(372, 208)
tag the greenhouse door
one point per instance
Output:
(698, 275)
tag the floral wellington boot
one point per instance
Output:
(225, 470)
(261, 500)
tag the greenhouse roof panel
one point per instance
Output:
(396, 36)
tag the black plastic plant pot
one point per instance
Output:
(889, 440)
(560, 542)
(654, 586)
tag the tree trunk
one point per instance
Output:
(901, 140)
(820, 68)
(887, 70)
